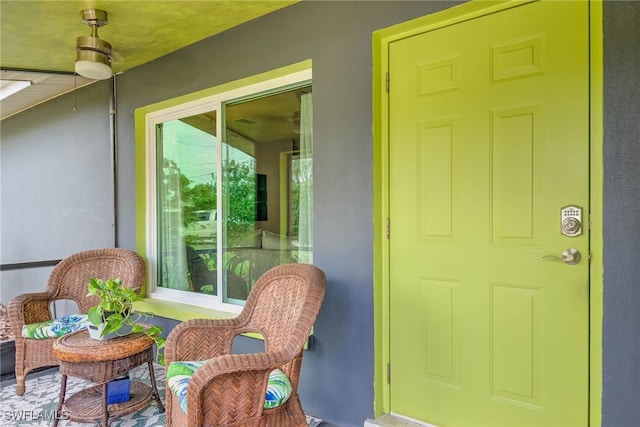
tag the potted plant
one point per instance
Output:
(114, 315)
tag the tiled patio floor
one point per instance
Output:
(386, 420)
(392, 421)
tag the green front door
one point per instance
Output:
(489, 122)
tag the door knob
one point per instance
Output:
(569, 256)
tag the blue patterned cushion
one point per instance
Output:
(278, 389)
(179, 374)
(55, 328)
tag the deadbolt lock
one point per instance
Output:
(571, 221)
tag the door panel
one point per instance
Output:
(488, 141)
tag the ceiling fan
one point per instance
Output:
(93, 55)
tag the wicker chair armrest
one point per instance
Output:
(230, 388)
(29, 308)
(200, 339)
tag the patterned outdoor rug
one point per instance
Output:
(37, 407)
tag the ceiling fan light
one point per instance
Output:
(93, 59)
(93, 65)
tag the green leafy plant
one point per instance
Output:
(115, 311)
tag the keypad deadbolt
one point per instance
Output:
(571, 221)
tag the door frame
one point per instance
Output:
(456, 14)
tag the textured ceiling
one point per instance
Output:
(41, 35)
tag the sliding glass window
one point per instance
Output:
(231, 192)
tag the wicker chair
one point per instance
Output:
(229, 390)
(67, 281)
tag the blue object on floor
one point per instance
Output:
(118, 390)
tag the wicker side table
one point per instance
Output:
(100, 362)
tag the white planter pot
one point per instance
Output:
(95, 332)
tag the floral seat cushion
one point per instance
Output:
(55, 328)
(179, 374)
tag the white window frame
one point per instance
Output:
(152, 120)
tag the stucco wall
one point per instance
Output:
(621, 348)
(337, 382)
(56, 178)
